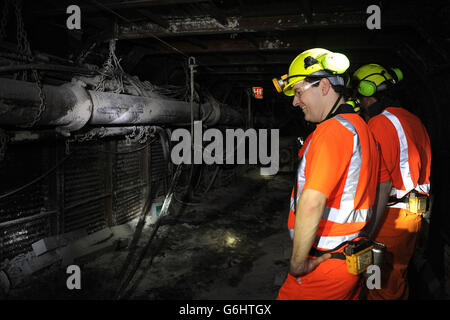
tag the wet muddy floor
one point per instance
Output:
(231, 243)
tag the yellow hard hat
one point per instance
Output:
(370, 78)
(354, 103)
(318, 62)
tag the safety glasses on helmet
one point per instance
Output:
(300, 90)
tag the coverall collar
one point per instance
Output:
(343, 108)
(377, 107)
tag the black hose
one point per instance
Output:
(139, 227)
(163, 137)
(212, 180)
(145, 209)
(124, 284)
(137, 235)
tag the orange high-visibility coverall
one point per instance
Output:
(405, 149)
(341, 161)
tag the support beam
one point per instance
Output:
(251, 39)
(117, 5)
(216, 13)
(197, 43)
(154, 18)
(208, 24)
(236, 46)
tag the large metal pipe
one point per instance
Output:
(113, 109)
(70, 107)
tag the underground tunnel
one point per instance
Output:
(144, 147)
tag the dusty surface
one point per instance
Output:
(231, 244)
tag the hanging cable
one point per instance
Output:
(24, 49)
(192, 65)
(127, 277)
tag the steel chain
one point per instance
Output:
(23, 45)
(24, 49)
(41, 109)
(145, 138)
(88, 136)
(141, 136)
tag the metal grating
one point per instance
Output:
(83, 181)
(128, 182)
(158, 169)
(20, 223)
(17, 239)
(84, 189)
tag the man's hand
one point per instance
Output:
(302, 268)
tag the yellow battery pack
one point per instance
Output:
(359, 256)
(417, 204)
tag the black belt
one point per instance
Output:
(334, 255)
(393, 200)
(405, 199)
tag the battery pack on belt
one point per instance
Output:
(414, 202)
(357, 254)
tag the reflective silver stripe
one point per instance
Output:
(401, 205)
(340, 216)
(346, 212)
(291, 233)
(348, 195)
(423, 188)
(332, 242)
(404, 157)
(300, 177)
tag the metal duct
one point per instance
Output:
(17, 136)
(71, 107)
(128, 182)
(68, 106)
(113, 109)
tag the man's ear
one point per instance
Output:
(325, 86)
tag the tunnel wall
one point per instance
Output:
(16, 238)
(102, 183)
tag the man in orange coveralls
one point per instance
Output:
(337, 179)
(406, 152)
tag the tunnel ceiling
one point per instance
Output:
(240, 43)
